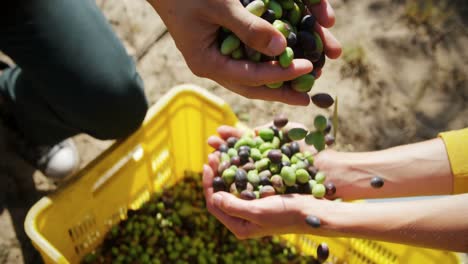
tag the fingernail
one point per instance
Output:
(217, 199)
(276, 45)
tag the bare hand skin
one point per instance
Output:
(194, 25)
(416, 169)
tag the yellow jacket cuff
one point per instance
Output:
(456, 143)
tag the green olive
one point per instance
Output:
(286, 57)
(295, 14)
(319, 190)
(266, 134)
(274, 85)
(230, 44)
(283, 27)
(288, 175)
(302, 176)
(320, 177)
(257, 7)
(276, 7)
(237, 54)
(229, 176)
(303, 83)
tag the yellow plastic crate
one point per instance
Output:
(71, 222)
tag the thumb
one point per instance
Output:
(253, 31)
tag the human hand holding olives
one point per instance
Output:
(194, 26)
(278, 214)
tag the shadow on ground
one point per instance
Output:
(18, 192)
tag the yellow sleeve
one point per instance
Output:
(456, 143)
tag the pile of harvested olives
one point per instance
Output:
(270, 162)
(293, 20)
(175, 227)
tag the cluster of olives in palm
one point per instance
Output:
(293, 19)
(270, 162)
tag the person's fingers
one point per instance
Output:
(213, 161)
(254, 31)
(215, 142)
(236, 207)
(332, 46)
(284, 94)
(226, 132)
(208, 176)
(240, 227)
(254, 74)
(323, 12)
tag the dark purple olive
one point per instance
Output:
(235, 161)
(248, 166)
(244, 156)
(286, 150)
(275, 155)
(248, 195)
(280, 121)
(292, 189)
(315, 72)
(320, 62)
(322, 100)
(330, 189)
(294, 147)
(306, 41)
(246, 2)
(377, 182)
(244, 148)
(264, 180)
(223, 148)
(241, 176)
(313, 221)
(292, 40)
(328, 127)
(304, 188)
(312, 171)
(308, 23)
(218, 184)
(312, 56)
(298, 52)
(285, 163)
(322, 252)
(269, 16)
(241, 179)
(329, 139)
(231, 142)
(275, 130)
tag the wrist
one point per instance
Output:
(330, 214)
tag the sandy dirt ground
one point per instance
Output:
(402, 79)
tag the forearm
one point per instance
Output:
(409, 170)
(436, 223)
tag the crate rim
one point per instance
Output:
(45, 202)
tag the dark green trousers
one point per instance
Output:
(73, 75)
